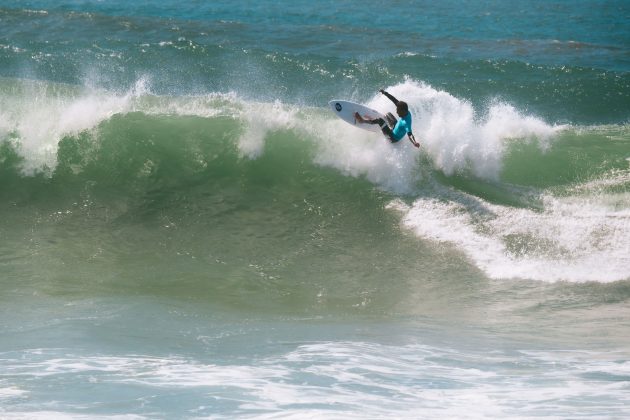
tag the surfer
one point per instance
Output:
(400, 127)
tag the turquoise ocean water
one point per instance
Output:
(187, 231)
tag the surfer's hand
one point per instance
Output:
(382, 90)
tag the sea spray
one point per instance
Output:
(455, 136)
(260, 119)
(459, 137)
(41, 114)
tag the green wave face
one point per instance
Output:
(236, 198)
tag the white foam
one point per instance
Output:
(260, 120)
(451, 132)
(458, 137)
(11, 392)
(41, 118)
(57, 415)
(41, 114)
(449, 129)
(359, 379)
(577, 239)
(360, 153)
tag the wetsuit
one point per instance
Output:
(400, 127)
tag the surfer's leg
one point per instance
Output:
(366, 120)
(387, 132)
(385, 128)
(391, 120)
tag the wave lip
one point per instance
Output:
(38, 115)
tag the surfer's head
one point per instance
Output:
(402, 109)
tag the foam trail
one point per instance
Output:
(575, 239)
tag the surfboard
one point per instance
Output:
(346, 109)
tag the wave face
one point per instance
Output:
(517, 196)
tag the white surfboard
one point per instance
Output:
(345, 110)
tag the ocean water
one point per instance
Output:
(187, 231)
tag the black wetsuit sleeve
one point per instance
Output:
(391, 98)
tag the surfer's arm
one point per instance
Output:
(412, 139)
(390, 97)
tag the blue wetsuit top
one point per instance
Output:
(403, 126)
